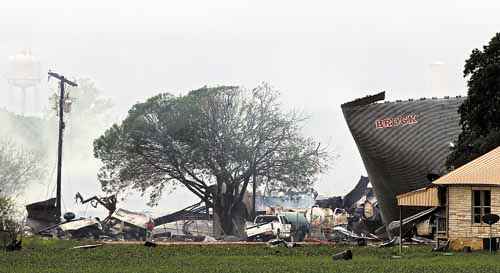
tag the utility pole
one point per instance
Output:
(62, 98)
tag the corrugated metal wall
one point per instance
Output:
(398, 158)
(427, 197)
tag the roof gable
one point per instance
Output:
(484, 170)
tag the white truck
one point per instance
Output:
(266, 227)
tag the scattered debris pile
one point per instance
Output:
(357, 212)
(108, 202)
(419, 227)
(354, 218)
(193, 223)
(193, 212)
(41, 215)
(121, 224)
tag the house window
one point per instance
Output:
(481, 205)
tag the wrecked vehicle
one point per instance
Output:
(267, 227)
(82, 228)
(291, 226)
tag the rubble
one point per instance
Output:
(121, 224)
(342, 234)
(41, 215)
(361, 207)
(15, 245)
(354, 217)
(87, 246)
(344, 255)
(442, 248)
(356, 194)
(280, 242)
(209, 239)
(149, 244)
(82, 228)
(415, 224)
(108, 202)
(194, 212)
(422, 240)
(394, 241)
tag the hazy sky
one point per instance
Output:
(318, 53)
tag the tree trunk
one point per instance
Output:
(229, 219)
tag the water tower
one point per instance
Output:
(23, 73)
(439, 79)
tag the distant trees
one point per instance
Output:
(86, 120)
(18, 167)
(212, 141)
(480, 112)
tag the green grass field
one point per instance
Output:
(56, 256)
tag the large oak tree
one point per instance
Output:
(212, 141)
(480, 112)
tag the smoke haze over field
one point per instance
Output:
(318, 53)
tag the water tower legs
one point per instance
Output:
(10, 99)
(23, 109)
(36, 106)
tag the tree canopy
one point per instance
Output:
(480, 112)
(211, 141)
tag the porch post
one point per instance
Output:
(400, 230)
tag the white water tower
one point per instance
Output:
(439, 79)
(23, 73)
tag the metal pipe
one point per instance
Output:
(400, 230)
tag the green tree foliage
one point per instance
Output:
(480, 112)
(211, 141)
(7, 208)
(9, 226)
(18, 168)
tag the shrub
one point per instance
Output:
(9, 227)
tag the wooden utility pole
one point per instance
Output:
(62, 97)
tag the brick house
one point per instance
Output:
(464, 196)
